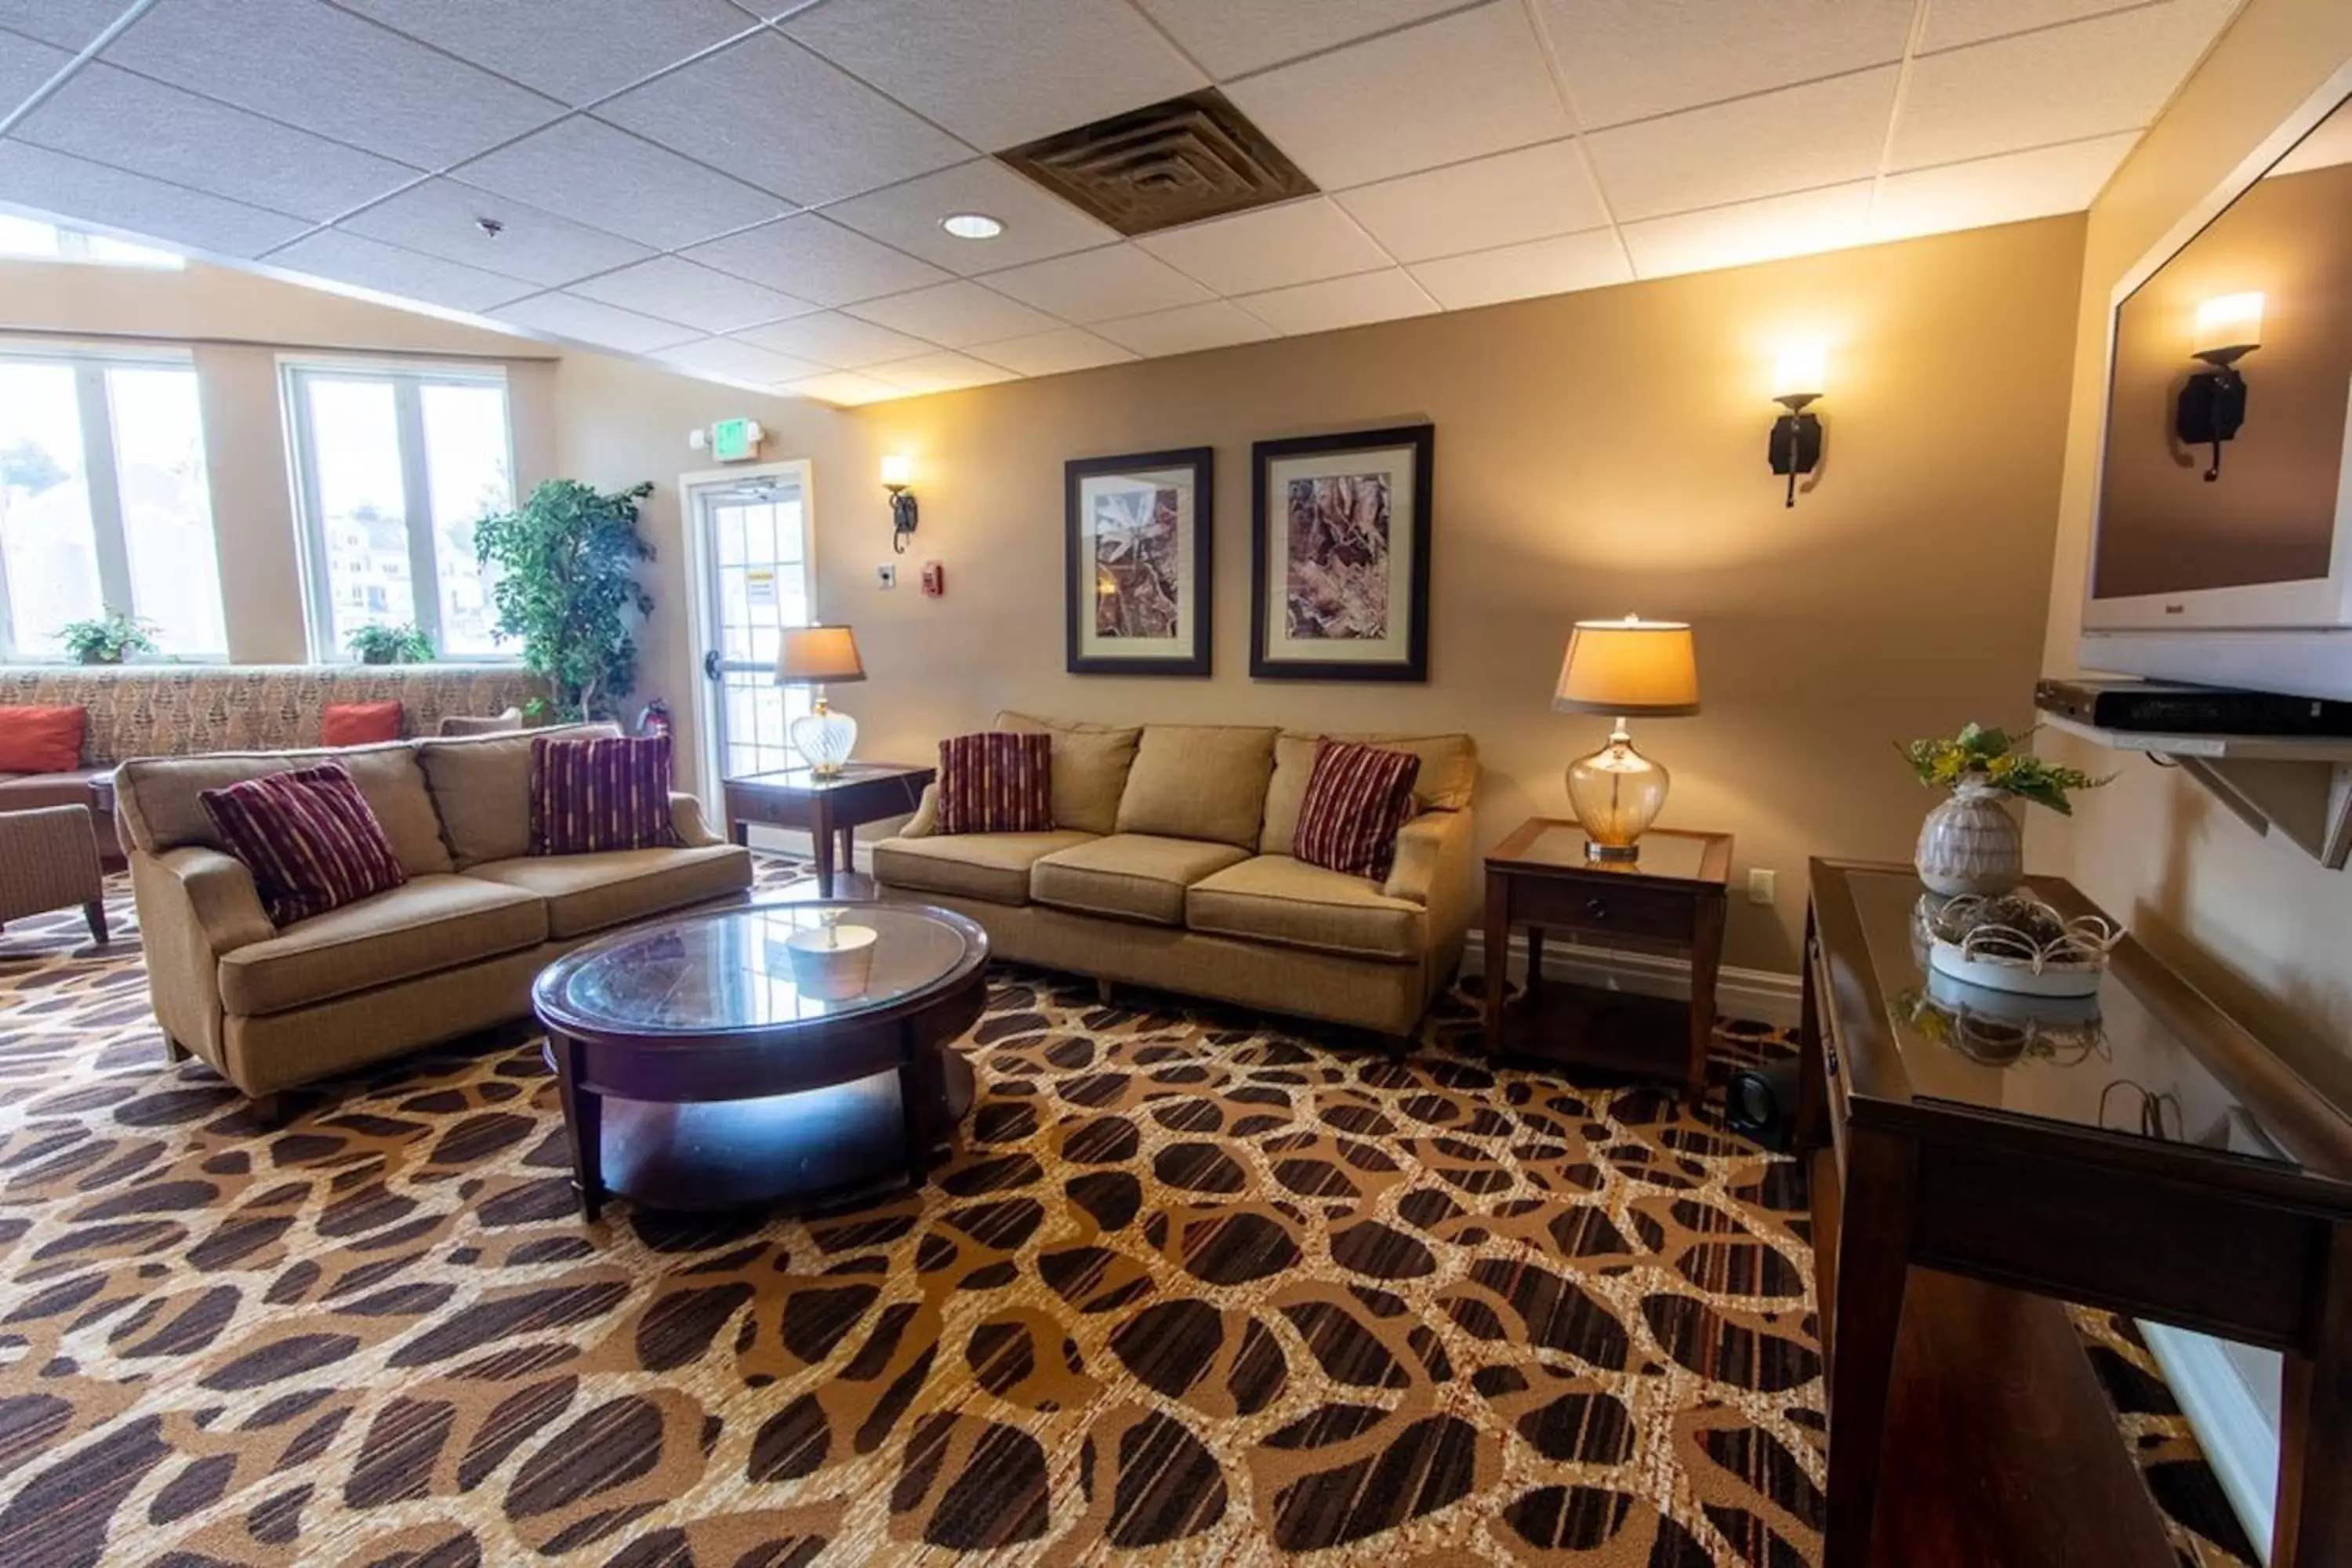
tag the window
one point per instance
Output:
(104, 505)
(31, 239)
(394, 468)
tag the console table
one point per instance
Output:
(1975, 1164)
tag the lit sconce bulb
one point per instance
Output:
(897, 472)
(1800, 374)
(2228, 325)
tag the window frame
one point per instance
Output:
(94, 408)
(408, 380)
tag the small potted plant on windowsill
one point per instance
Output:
(1970, 844)
(391, 644)
(110, 639)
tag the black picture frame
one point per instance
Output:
(1078, 604)
(1415, 664)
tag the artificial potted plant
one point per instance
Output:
(566, 564)
(392, 645)
(110, 639)
(1970, 843)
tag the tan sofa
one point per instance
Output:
(1170, 865)
(453, 950)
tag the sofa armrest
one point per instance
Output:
(195, 904)
(926, 820)
(685, 819)
(1423, 848)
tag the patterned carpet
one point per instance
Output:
(1197, 1289)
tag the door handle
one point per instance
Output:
(710, 664)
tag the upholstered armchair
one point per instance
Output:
(48, 859)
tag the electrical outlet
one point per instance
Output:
(1761, 885)
(886, 576)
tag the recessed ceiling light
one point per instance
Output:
(972, 226)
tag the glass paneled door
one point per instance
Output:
(756, 583)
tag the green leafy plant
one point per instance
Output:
(566, 562)
(1991, 759)
(392, 645)
(110, 639)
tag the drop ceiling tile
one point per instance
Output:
(570, 316)
(677, 290)
(2061, 84)
(1215, 325)
(442, 217)
(939, 372)
(831, 338)
(740, 362)
(326, 70)
(591, 174)
(1006, 72)
(577, 50)
(813, 259)
(2005, 189)
(1338, 303)
(1952, 22)
(1050, 353)
(1097, 284)
(1036, 224)
(1630, 60)
(1796, 139)
(768, 112)
(956, 315)
(1531, 194)
(1462, 86)
(68, 23)
(111, 116)
(1271, 248)
(388, 269)
(1233, 36)
(1746, 232)
(24, 67)
(1560, 265)
(115, 198)
(844, 388)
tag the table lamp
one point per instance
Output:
(1631, 669)
(820, 656)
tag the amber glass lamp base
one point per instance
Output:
(1617, 792)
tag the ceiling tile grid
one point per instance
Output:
(753, 190)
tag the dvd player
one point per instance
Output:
(2147, 707)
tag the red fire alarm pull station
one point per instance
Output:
(935, 580)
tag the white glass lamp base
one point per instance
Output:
(826, 737)
(1617, 792)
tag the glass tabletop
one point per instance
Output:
(808, 779)
(2103, 1062)
(757, 968)
(1661, 854)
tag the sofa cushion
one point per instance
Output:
(156, 797)
(589, 795)
(1448, 775)
(359, 724)
(992, 867)
(589, 892)
(995, 782)
(1128, 876)
(41, 738)
(1199, 781)
(308, 838)
(1273, 898)
(481, 787)
(1090, 763)
(429, 924)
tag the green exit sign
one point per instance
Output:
(732, 441)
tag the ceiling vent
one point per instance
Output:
(1179, 161)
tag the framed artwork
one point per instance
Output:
(1135, 572)
(1339, 556)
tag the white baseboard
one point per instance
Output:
(2237, 1428)
(1765, 995)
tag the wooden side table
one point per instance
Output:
(1672, 897)
(824, 805)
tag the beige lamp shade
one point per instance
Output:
(1631, 669)
(818, 655)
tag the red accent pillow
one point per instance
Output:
(1357, 798)
(996, 781)
(593, 795)
(41, 740)
(309, 838)
(359, 724)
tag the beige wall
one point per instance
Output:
(2254, 920)
(1597, 453)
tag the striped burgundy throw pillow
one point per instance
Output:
(1357, 798)
(592, 796)
(996, 781)
(309, 838)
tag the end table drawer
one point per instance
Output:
(1589, 905)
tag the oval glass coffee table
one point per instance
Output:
(763, 1052)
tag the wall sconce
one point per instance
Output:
(898, 473)
(1795, 446)
(2213, 404)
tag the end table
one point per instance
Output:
(824, 805)
(1674, 896)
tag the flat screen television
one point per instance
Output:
(2229, 562)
